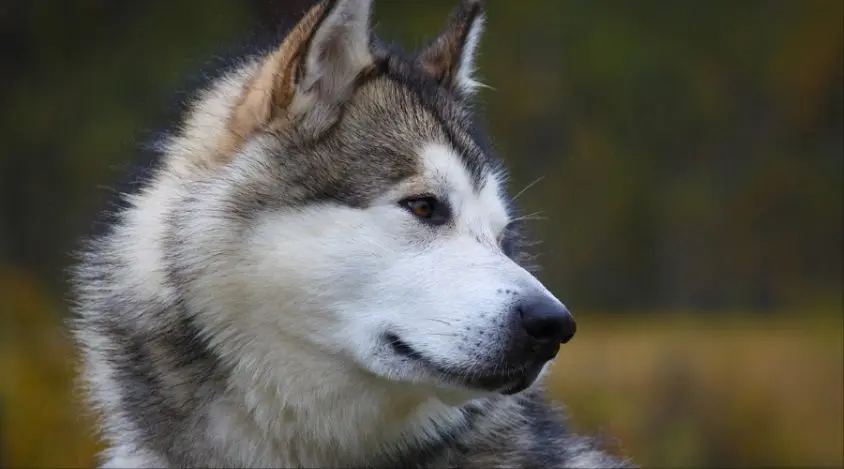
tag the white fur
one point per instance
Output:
(466, 81)
(128, 455)
(300, 309)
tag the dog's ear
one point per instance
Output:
(450, 58)
(307, 79)
(333, 57)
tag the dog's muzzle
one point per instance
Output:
(539, 325)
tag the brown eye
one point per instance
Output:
(427, 209)
(422, 208)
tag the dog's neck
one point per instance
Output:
(322, 411)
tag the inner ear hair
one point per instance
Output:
(450, 57)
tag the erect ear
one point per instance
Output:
(307, 79)
(450, 58)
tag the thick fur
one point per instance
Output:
(265, 300)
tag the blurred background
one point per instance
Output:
(686, 159)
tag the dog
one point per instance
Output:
(325, 270)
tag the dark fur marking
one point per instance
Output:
(447, 441)
(449, 113)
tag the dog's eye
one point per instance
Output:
(428, 209)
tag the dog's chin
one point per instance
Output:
(499, 380)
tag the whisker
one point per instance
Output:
(441, 321)
(535, 181)
(442, 334)
(530, 216)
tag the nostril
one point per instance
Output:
(546, 319)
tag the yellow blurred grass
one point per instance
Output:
(42, 423)
(680, 390)
(707, 390)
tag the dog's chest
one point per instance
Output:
(279, 437)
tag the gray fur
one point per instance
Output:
(163, 382)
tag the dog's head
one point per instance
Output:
(340, 196)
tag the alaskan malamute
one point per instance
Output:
(325, 271)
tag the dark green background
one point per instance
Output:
(691, 151)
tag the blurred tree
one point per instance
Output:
(691, 153)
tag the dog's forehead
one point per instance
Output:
(442, 166)
(446, 170)
(394, 129)
(437, 133)
(417, 115)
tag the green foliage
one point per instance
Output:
(691, 153)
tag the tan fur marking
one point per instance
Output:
(271, 90)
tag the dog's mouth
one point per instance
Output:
(502, 380)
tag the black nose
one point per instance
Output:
(547, 320)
